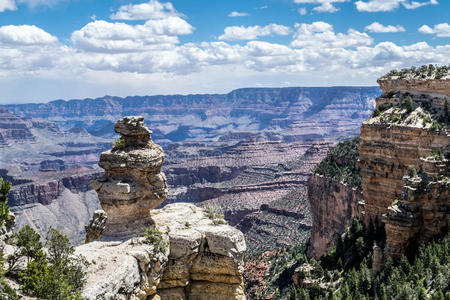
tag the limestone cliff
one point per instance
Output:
(408, 132)
(404, 127)
(195, 254)
(333, 205)
(334, 196)
(423, 209)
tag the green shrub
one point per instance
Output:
(59, 274)
(341, 164)
(119, 144)
(411, 171)
(214, 215)
(408, 104)
(5, 186)
(376, 113)
(153, 236)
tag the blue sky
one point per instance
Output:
(52, 49)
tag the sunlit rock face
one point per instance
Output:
(408, 133)
(133, 183)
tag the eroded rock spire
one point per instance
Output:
(133, 183)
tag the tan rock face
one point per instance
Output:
(133, 183)
(203, 261)
(385, 152)
(423, 209)
(411, 208)
(433, 86)
(333, 205)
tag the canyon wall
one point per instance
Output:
(403, 159)
(407, 134)
(333, 206)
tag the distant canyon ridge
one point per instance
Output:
(248, 153)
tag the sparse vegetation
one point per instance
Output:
(423, 72)
(214, 215)
(408, 104)
(119, 144)
(53, 273)
(5, 186)
(153, 236)
(411, 171)
(341, 163)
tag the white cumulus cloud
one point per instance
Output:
(7, 5)
(390, 5)
(441, 30)
(145, 11)
(322, 35)
(25, 35)
(380, 28)
(102, 36)
(322, 5)
(236, 33)
(234, 14)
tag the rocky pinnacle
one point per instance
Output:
(133, 183)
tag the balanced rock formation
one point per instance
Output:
(133, 183)
(185, 252)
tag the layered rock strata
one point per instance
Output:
(133, 183)
(333, 206)
(397, 138)
(423, 209)
(408, 132)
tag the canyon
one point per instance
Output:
(247, 153)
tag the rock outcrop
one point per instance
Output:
(396, 138)
(133, 183)
(408, 132)
(423, 209)
(186, 252)
(96, 226)
(333, 206)
(203, 261)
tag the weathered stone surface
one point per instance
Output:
(423, 209)
(434, 86)
(386, 150)
(187, 270)
(96, 226)
(333, 206)
(412, 208)
(202, 250)
(128, 270)
(133, 183)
